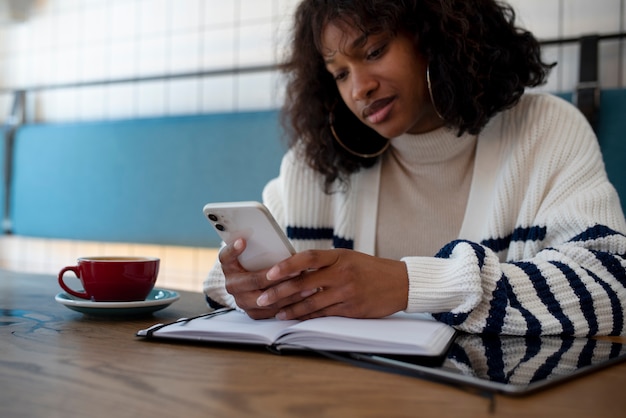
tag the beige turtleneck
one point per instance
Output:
(425, 183)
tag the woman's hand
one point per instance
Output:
(245, 286)
(336, 282)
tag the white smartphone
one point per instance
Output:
(266, 243)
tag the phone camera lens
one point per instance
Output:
(220, 227)
(212, 217)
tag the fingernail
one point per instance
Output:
(271, 273)
(282, 315)
(262, 300)
(238, 244)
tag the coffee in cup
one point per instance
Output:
(113, 279)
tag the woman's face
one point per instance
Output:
(381, 78)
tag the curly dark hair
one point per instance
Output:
(480, 63)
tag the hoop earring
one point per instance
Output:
(331, 121)
(430, 92)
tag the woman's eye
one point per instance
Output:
(340, 76)
(376, 52)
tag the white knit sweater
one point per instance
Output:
(542, 248)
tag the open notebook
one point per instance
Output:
(399, 334)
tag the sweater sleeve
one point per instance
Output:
(554, 258)
(215, 288)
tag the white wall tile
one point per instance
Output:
(256, 44)
(43, 63)
(6, 101)
(122, 101)
(286, 8)
(20, 37)
(608, 67)
(569, 67)
(218, 13)
(622, 80)
(62, 253)
(184, 52)
(255, 91)
(540, 18)
(256, 9)
(218, 94)
(122, 59)
(584, 17)
(22, 73)
(218, 46)
(151, 98)
(95, 24)
(45, 104)
(63, 5)
(10, 250)
(177, 267)
(43, 32)
(153, 17)
(186, 15)
(69, 29)
(184, 96)
(56, 105)
(93, 62)
(281, 34)
(66, 68)
(277, 85)
(5, 33)
(206, 258)
(91, 102)
(152, 55)
(38, 255)
(123, 22)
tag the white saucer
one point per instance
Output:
(156, 300)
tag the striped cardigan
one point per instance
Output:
(542, 249)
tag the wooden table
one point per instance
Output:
(55, 362)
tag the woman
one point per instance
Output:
(421, 178)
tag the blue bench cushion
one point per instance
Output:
(142, 180)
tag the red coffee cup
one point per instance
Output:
(113, 279)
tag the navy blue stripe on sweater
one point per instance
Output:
(616, 308)
(302, 233)
(585, 299)
(497, 307)
(595, 232)
(458, 354)
(612, 262)
(545, 294)
(503, 294)
(447, 250)
(501, 297)
(532, 233)
(552, 361)
(495, 359)
(297, 232)
(616, 350)
(586, 354)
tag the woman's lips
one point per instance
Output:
(379, 110)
